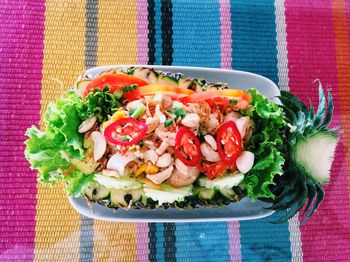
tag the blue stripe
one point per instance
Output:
(202, 242)
(159, 228)
(196, 33)
(158, 32)
(254, 44)
(254, 49)
(196, 42)
(159, 234)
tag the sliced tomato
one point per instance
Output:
(187, 147)
(148, 90)
(229, 142)
(221, 97)
(114, 81)
(215, 169)
(125, 131)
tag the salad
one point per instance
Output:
(143, 138)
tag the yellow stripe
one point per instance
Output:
(117, 44)
(57, 226)
(117, 32)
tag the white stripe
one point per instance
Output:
(294, 237)
(283, 82)
(282, 58)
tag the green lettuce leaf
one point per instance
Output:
(266, 144)
(99, 103)
(76, 181)
(50, 151)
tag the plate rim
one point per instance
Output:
(89, 212)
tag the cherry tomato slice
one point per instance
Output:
(115, 82)
(125, 131)
(221, 97)
(147, 90)
(215, 169)
(229, 142)
(187, 147)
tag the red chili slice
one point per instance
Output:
(187, 147)
(129, 129)
(229, 142)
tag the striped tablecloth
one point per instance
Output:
(44, 44)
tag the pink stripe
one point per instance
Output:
(226, 40)
(235, 241)
(226, 62)
(21, 45)
(142, 242)
(311, 55)
(142, 32)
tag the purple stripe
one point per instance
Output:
(226, 62)
(142, 251)
(21, 45)
(142, 58)
(235, 241)
(142, 32)
(226, 40)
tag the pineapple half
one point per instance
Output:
(309, 156)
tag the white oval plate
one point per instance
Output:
(242, 210)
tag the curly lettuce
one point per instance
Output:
(266, 144)
(50, 151)
(99, 103)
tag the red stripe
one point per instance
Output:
(21, 45)
(312, 55)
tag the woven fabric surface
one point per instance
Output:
(45, 45)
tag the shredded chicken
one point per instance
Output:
(202, 109)
(183, 175)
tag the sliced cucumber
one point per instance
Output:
(125, 183)
(136, 194)
(206, 194)
(166, 80)
(87, 191)
(147, 74)
(187, 83)
(118, 198)
(95, 192)
(316, 153)
(168, 194)
(99, 193)
(229, 193)
(226, 181)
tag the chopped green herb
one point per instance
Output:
(124, 138)
(233, 102)
(106, 87)
(132, 111)
(177, 112)
(132, 87)
(138, 111)
(168, 122)
(140, 143)
(118, 94)
(201, 130)
(125, 89)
